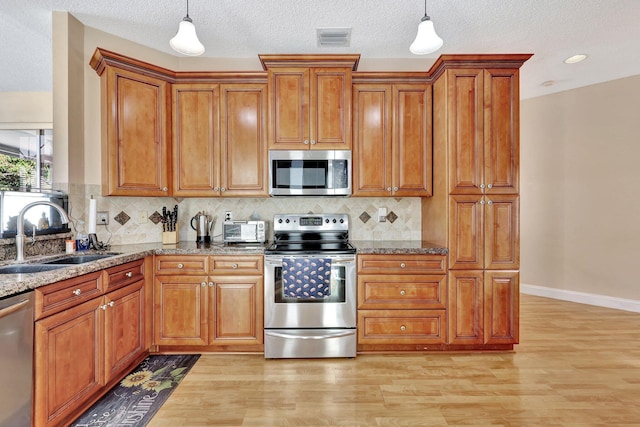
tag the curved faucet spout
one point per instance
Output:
(64, 218)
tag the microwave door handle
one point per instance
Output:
(329, 174)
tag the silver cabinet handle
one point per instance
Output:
(306, 142)
(211, 284)
(128, 274)
(234, 265)
(104, 307)
(111, 303)
(402, 292)
(482, 202)
(203, 284)
(223, 189)
(489, 202)
(403, 328)
(165, 189)
(180, 265)
(77, 292)
(313, 142)
(403, 265)
(389, 189)
(490, 186)
(481, 185)
(395, 188)
(216, 188)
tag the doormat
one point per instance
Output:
(136, 399)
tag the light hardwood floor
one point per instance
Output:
(576, 365)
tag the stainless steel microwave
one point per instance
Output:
(310, 173)
(244, 232)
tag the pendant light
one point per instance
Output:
(186, 40)
(427, 41)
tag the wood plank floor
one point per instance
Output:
(576, 365)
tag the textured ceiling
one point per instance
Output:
(608, 31)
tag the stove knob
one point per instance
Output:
(341, 220)
(334, 220)
(287, 220)
(326, 220)
(280, 221)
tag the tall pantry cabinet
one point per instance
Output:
(475, 207)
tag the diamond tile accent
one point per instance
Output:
(122, 218)
(391, 217)
(155, 217)
(364, 217)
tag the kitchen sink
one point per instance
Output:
(79, 259)
(28, 268)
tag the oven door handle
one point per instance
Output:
(311, 337)
(337, 262)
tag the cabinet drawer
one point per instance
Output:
(181, 264)
(412, 292)
(237, 264)
(67, 293)
(124, 274)
(402, 264)
(401, 327)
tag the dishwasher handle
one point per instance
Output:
(13, 308)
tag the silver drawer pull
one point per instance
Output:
(104, 307)
(111, 303)
(180, 265)
(403, 265)
(211, 284)
(234, 265)
(128, 274)
(77, 292)
(402, 292)
(403, 328)
(203, 284)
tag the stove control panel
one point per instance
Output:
(311, 222)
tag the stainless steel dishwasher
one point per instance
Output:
(16, 360)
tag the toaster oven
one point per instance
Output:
(244, 232)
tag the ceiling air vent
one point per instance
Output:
(333, 37)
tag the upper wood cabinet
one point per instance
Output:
(136, 134)
(219, 140)
(392, 148)
(309, 101)
(483, 131)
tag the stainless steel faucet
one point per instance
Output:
(20, 225)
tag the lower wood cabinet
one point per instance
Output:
(402, 302)
(215, 302)
(83, 347)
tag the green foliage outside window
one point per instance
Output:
(16, 172)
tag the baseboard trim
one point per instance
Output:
(581, 297)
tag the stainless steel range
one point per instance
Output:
(310, 288)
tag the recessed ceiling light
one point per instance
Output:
(575, 58)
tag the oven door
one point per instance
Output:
(336, 311)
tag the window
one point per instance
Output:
(26, 159)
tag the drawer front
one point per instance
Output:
(411, 292)
(124, 274)
(401, 326)
(68, 293)
(181, 264)
(402, 264)
(237, 264)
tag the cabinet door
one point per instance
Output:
(502, 232)
(501, 131)
(330, 109)
(136, 134)
(124, 329)
(68, 362)
(412, 144)
(372, 140)
(465, 131)
(501, 307)
(466, 232)
(180, 310)
(237, 315)
(196, 146)
(466, 306)
(243, 140)
(289, 108)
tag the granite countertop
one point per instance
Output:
(11, 284)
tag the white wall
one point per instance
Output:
(580, 207)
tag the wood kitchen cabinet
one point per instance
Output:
(136, 131)
(89, 331)
(475, 208)
(209, 303)
(392, 139)
(402, 301)
(219, 140)
(309, 101)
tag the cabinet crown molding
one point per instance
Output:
(302, 60)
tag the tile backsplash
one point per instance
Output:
(134, 219)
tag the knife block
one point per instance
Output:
(170, 237)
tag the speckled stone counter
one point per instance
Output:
(398, 247)
(11, 284)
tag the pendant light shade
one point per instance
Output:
(186, 40)
(426, 41)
